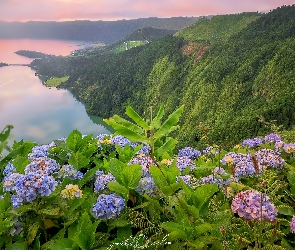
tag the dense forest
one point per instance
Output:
(234, 74)
(103, 31)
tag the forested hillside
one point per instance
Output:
(103, 31)
(231, 72)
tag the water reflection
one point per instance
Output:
(38, 113)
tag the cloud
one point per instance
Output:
(19, 10)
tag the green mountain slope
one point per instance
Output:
(229, 72)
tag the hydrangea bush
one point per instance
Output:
(133, 190)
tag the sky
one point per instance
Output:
(111, 10)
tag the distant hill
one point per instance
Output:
(232, 73)
(103, 31)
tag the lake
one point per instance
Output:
(39, 113)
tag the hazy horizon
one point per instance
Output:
(94, 10)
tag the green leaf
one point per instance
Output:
(78, 160)
(32, 232)
(119, 189)
(203, 193)
(50, 210)
(286, 210)
(159, 177)
(156, 122)
(85, 235)
(168, 125)
(131, 176)
(168, 146)
(73, 140)
(124, 131)
(128, 124)
(136, 117)
(17, 246)
(175, 230)
(116, 167)
(203, 228)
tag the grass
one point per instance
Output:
(56, 81)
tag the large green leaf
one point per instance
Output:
(116, 167)
(119, 189)
(131, 176)
(73, 141)
(168, 146)
(128, 124)
(136, 117)
(127, 132)
(78, 160)
(168, 125)
(156, 122)
(203, 193)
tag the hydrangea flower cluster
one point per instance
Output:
(210, 151)
(292, 224)
(121, 141)
(272, 138)
(40, 151)
(252, 142)
(253, 205)
(108, 206)
(8, 170)
(189, 152)
(37, 180)
(68, 171)
(182, 162)
(269, 158)
(216, 178)
(71, 192)
(146, 185)
(145, 162)
(102, 181)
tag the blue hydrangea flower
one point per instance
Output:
(43, 164)
(145, 149)
(68, 171)
(216, 178)
(252, 142)
(146, 185)
(39, 151)
(121, 141)
(102, 181)
(183, 162)
(272, 138)
(108, 206)
(189, 152)
(145, 162)
(8, 170)
(253, 205)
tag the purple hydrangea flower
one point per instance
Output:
(183, 162)
(253, 205)
(146, 185)
(292, 224)
(189, 152)
(185, 178)
(216, 178)
(108, 206)
(252, 142)
(8, 170)
(269, 158)
(272, 138)
(102, 181)
(289, 148)
(121, 141)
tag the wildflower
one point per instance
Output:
(253, 205)
(71, 192)
(252, 142)
(145, 162)
(189, 152)
(292, 224)
(102, 181)
(68, 171)
(272, 138)
(146, 185)
(238, 146)
(108, 206)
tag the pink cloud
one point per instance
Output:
(19, 10)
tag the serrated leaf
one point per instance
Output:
(116, 167)
(158, 177)
(203, 193)
(32, 232)
(119, 189)
(131, 175)
(78, 160)
(73, 140)
(286, 210)
(203, 228)
(137, 118)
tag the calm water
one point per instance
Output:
(38, 113)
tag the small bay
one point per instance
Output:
(39, 113)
